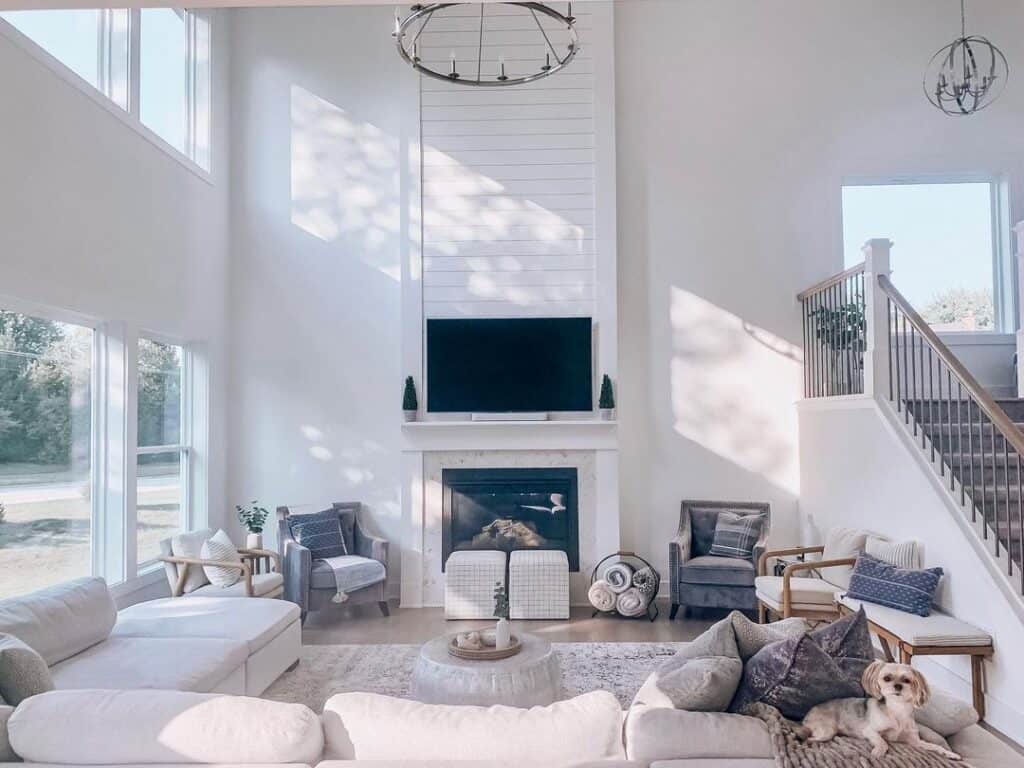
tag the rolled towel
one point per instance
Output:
(646, 580)
(601, 597)
(631, 603)
(619, 577)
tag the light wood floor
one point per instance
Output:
(364, 624)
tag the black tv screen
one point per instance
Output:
(499, 366)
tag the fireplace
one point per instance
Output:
(509, 509)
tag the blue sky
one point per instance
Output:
(942, 234)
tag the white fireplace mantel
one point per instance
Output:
(590, 434)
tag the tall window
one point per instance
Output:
(946, 254)
(46, 435)
(153, 63)
(163, 453)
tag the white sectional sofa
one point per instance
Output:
(204, 644)
(129, 729)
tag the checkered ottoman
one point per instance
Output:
(538, 584)
(469, 581)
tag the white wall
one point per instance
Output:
(96, 219)
(900, 501)
(324, 113)
(735, 132)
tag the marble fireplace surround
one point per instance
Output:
(422, 582)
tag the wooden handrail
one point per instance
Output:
(856, 269)
(996, 415)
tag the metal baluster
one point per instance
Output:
(851, 384)
(833, 336)
(995, 485)
(938, 410)
(921, 417)
(1006, 470)
(894, 342)
(819, 368)
(913, 381)
(931, 400)
(970, 440)
(892, 351)
(803, 323)
(1020, 525)
(906, 399)
(960, 437)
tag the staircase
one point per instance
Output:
(982, 467)
(862, 337)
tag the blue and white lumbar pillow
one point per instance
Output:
(320, 533)
(905, 589)
(736, 535)
(219, 547)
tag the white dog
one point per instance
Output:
(894, 691)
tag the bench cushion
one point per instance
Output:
(253, 621)
(711, 569)
(937, 629)
(804, 590)
(183, 664)
(262, 584)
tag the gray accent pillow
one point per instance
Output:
(945, 714)
(23, 672)
(7, 754)
(796, 674)
(751, 637)
(702, 677)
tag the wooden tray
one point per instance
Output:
(484, 654)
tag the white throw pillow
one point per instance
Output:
(368, 726)
(902, 554)
(220, 548)
(191, 545)
(841, 543)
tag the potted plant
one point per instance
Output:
(253, 517)
(503, 630)
(410, 405)
(607, 400)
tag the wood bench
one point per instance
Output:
(936, 635)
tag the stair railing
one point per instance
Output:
(834, 334)
(944, 405)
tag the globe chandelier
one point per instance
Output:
(967, 75)
(478, 58)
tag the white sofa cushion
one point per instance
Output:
(181, 664)
(804, 590)
(262, 584)
(367, 726)
(119, 727)
(255, 622)
(60, 621)
(661, 733)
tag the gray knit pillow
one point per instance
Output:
(23, 672)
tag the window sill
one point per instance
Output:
(37, 52)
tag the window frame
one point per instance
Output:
(128, 114)
(183, 448)
(1004, 264)
(97, 479)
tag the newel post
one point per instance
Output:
(876, 316)
(1019, 231)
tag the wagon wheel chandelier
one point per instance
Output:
(967, 75)
(424, 34)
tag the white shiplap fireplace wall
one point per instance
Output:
(515, 218)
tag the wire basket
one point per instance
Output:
(632, 559)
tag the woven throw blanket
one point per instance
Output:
(601, 597)
(840, 752)
(646, 580)
(619, 577)
(631, 603)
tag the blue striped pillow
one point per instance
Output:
(904, 589)
(320, 533)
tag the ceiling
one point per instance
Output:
(10, 5)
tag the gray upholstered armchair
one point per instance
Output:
(702, 580)
(361, 575)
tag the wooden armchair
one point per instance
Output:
(260, 572)
(796, 594)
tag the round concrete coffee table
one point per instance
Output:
(532, 677)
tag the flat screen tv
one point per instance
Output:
(509, 365)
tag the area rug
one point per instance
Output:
(328, 669)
